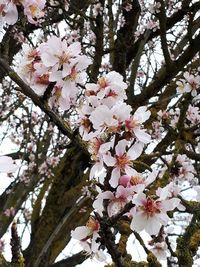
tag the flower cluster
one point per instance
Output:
(33, 9)
(116, 138)
(190, 83)
(58, 62)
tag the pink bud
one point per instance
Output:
(124, 180)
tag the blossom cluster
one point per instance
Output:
(55, 61)
(116, 138)
(33, 10)
(190, 84)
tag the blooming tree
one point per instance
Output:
(100, 111)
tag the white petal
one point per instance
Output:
(48, 60)
(138, 222)
(109, 160)
(121, 147)
(80, 232)
(114, 180)
(55, 76)
(142, 136)
(97, 167)
(75, 48)
(151, 178)
(98, 203)
(135, 151)
(152, 225)
(94, 244)
(141, 114)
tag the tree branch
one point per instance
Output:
(63, 126)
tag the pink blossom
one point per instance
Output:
(134, 124)
(83, 232)
(150, 214)
(160, 250)
(102, 118)
(182, 88)
(193, 83)
(122, 160)
(117, 200)
(8, 12)
(122, 196)
(137, 181)
(186, 169)
(101, 149)
(108, 90)
(193, 115)
(87, 235)
(33, 9)
(170, 190)
(56, 53)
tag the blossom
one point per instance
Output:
(109, 120)
(58, 100)
(108, 91)
(56, 53)
(66, 66)
(193, 115)
(87, 235)
(8, 12)
(182, 88)
(193, 83)
(117, 200)
(7, 165)
(185, 169)
(160, 250)
(32, 71)
(134, 124)
(122, 160)
(100, 149)
(150, 214)
(83, 232)
(33, 9)
(137, 181)
(170, 190)
(55, 61)
(102, 118)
